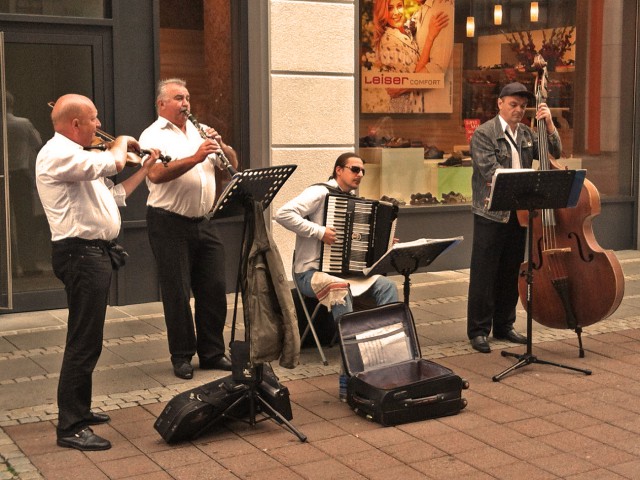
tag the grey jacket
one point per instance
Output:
(269, 311)
(490, 150)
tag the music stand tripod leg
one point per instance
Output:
(253, 397)
(276, 416)
(524, 359)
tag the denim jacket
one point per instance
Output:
(490, 150)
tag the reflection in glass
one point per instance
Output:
(5, 290)
(35, 75)
(57, 8)
(588, 93)
(23, 142)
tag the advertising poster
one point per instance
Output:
(406, 50)
(470, 125)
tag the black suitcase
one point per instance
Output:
(191, 413)
(389, 382)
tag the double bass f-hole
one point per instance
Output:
(572, 235)
(585, 258)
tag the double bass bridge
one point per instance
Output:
(557, 271)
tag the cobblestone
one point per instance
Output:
(15, 465)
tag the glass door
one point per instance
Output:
(6, 297)
(39, 69)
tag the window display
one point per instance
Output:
(425, 86)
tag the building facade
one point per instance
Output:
(285, 83)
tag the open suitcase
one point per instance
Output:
(389, 382)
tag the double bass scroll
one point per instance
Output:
(577, 283)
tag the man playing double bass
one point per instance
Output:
(498, 239)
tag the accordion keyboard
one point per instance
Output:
(364, 230)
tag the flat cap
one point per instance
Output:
(516, 89)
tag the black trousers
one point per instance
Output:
(496, 255)
(85, 269)
(190, 258)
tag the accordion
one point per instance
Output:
(364, 232)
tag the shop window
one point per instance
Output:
(198, 41)
(58, 8)
(415, 128)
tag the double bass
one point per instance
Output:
(577, 283)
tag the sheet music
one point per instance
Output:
(413, 246)
(388, 345)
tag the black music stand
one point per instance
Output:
(258, 184)
(532, 190)
(406, 258)
(238, 198)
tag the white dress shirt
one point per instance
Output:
(304, 216)
(78, 199)
(515, 154)
(193, 193)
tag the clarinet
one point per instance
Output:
(221, 156)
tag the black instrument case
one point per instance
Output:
(389, 382)
(191, 413)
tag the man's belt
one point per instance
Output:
(167, 213)
(115, 251)
(66, 242)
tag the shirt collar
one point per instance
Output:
(505, 126)
(168, 124)
(61, 138)
(333, 183)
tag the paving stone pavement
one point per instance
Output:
(538, 422)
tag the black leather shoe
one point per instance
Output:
(183, 369)
(84, 440)
(481, 344)
(98, 418)
(511, 336)
(220, 363)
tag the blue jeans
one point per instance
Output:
(383, 291)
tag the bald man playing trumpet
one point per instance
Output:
(81, 204)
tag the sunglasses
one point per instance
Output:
(355, 169)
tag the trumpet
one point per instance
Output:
(134, 158)
(221, 156)
(101, 141)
